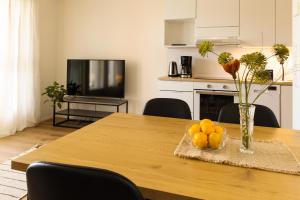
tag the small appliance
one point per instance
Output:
(270, 74)
(186, 67)
(173, 70)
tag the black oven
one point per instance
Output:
(208, 103)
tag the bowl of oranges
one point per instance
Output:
(207, 135)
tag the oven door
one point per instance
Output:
(208, 103)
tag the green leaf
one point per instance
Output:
(281, 52)
(205, 47)
(254, 61)
(55, 93)
(261, 77)
(225, 58)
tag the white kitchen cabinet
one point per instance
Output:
(217, 19)
(270, 98)
(179, 32)
(217, 13)
(180, 9)
(257, 22)
(182, 95)
(284, 22)
(286, 107)
(176, 85)
(177, 90)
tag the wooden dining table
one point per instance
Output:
(142, 149)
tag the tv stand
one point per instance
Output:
(91, 114)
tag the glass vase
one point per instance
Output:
(246, 127)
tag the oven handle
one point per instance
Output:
(217, 92)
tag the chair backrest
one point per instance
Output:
(263, 116)
(166, 107)
(49, 181)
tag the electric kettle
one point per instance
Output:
(173, 70)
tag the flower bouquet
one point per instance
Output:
(246, 71)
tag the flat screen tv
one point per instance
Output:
(101, 78)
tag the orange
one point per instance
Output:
(207, 128)
(195, 128)
(215, 140)
(200, 140)
(219, 129)
(206, 121)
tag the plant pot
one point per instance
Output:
(246, 127)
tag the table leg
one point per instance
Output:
(118, 108)
(126, 107)
(53, 120)
(68, 117)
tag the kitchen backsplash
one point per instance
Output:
(209, 66)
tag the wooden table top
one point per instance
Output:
(141, 148)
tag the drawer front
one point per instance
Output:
(176, 85)
(184, 96)
(214, 86)
(273, 90)
(270, 98)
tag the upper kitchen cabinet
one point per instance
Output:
(180, 23)
(179, 33)
(217, 18)
(180, 9)
(217, 13)
(284, 22)
(257, 22)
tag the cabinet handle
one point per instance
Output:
(175, 91)
(224, 93)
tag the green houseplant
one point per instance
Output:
(253, 72)
(56, 93)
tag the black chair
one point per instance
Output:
(48, 181)
(263, 116)
(166, 107)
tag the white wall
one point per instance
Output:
(116, 29)
(132, 30)
(48, 47)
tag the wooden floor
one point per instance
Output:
(13, 145)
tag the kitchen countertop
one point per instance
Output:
(215, 80)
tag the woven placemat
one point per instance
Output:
(268, 155)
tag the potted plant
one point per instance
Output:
(56, 93)
(254, 71)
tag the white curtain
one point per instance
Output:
(19, 74)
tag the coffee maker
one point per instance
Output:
(186, 67)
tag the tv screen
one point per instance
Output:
(102, 78)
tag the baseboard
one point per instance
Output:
(46, 118)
